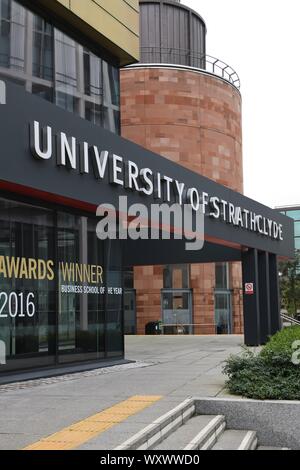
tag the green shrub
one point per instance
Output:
(279, 348)
(269, 374)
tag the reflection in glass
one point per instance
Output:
(47, 261)
(27, 321)
(94, 113)
(222, 278)
(43, 92)
(223, 314)
(92, 74)
(177, 311)
(42, 49)
(67, 102)
(177, 276)
(80, 315)
(294, 214)
(65, 62)
(83, 83)
(12, 35)
(297, 229)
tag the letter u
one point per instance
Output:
(40, 150)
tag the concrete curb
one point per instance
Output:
(276, 422)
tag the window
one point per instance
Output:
(222, 278)
(12, 35)
(297, 229)
(177, 277)
(128, 279)
(223, 310)
(68, 102)
(297, 243)
(94, 113)
(112, 92)
(223, 314)
(93, 74)
(65, 63)
(27, 297)
(43, 92)
(294, 214)
(57, 68)
(42, 49)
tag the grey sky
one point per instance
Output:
(260, 40)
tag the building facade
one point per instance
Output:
(185, 105)
(68, 53)
(65, 173)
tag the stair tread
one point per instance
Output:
(231, 439)
(179, 439)
(271, 448)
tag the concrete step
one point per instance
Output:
(271, 448)
(159, 430)
(182, 429)
(232, 439)
(182, 437)
(208, 436)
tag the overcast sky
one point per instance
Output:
(260, 39)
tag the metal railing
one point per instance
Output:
(190, 329)
(170, 55)
(288, 319)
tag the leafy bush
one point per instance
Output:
(269, 374)
(279, 348)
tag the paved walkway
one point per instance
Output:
(170, 367)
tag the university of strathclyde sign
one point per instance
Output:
(85, 158)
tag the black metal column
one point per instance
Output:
(251, 301)
(276, 324)
(264, 296)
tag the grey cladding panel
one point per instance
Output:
(171, 34)
(150, 25)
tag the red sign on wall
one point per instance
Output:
(249, 288)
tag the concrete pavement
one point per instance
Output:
(174, 367)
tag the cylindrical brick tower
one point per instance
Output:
(186, 106)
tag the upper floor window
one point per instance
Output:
(56, 67)
(222, 276)
(177, 276)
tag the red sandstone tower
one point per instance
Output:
(185, 105)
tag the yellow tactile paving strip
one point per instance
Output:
(77, 434)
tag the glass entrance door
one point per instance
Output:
(223, 313)
(177, 311)
(129, 312)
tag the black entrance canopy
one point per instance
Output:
(52, 155)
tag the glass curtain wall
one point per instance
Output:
(27, 286)
(61, 293)
(295, 214)
(54, 66)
